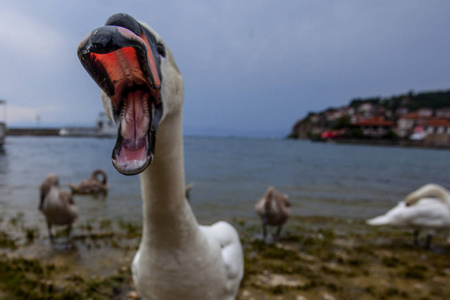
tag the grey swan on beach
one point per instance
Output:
(57, 205)
(426, 209)
(95, 184)
(142, 91)
(274, 209)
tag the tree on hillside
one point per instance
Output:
(342, 122)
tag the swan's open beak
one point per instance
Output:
(124, 63)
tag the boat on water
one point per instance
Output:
(3, 127)
(104, 127)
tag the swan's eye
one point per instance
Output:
(161, 50)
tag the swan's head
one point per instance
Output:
(140, 85)
(430, 190)
(51, 180)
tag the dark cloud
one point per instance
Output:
(249, 67)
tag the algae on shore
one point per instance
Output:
(316, 258)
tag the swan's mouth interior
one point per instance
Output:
(122, 64)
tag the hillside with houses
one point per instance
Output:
(417, 119)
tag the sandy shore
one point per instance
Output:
(317, 258)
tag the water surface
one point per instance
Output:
(229, 175)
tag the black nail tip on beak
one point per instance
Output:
(101, 40)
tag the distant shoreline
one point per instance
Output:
(43, 132)
(383, 142)
(368, 142)
(33, 132)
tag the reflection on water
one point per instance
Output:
(229, 176)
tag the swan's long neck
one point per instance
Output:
(429, 190)
(168, 219)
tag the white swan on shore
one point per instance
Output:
(274, 209)
(426, 209)
(57, 205)
(142, 90)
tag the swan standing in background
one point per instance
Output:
(274, 209)
(427, 208)
(57, 205)
(142, 90)
(92, 185)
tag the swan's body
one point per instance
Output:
(56, 204)
(177, 258)
(92, 185)
(425, 209)
(274, 209)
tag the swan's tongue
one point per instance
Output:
(131, 151)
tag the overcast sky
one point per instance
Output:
(249, 67)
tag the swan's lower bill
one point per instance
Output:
(122, 64)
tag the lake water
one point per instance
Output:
(229, 175)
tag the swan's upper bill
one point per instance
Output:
(123, 57)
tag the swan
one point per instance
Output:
(274, 209)
(142, 91)
(57, 205)
(92, 185)
(425, 209)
